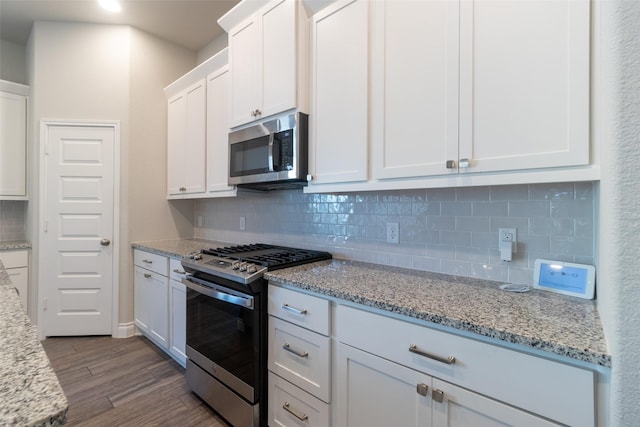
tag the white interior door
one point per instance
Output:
(79, 224)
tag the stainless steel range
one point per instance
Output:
(227, 326)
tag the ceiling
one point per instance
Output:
(188, 23)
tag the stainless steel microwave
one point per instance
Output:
(270, 155)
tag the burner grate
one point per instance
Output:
(270, 256)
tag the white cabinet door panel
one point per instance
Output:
(13, 145)
(524, 84)
(246, 67)
(339, 113)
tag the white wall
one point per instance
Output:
(111, 72)
(620, 203)
(215, 46)
(13, 63)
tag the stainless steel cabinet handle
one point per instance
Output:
(451, 164)
(287, 347)
(147, 276)
(147, 261)
(422, 389)
(175, 270)
(294, 310)
(448, 360)
(437, 395)
(295, 412)
(465, 163)
(105, 242)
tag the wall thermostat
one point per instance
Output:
(577, 280)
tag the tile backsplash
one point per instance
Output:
(449, 230)
(12, 220)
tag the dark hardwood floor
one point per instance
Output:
(124, 382)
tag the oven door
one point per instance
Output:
(223, 335)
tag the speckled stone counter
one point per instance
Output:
(177, 248)
(14, 244)
(541, 320)
(30, 394)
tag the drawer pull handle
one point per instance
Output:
(287, 347)
(437, 395)
(147, 261)
(295, 412)
(294, 310)
(147, 276)
(448, 360)
(179, 271)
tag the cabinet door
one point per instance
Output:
(376, 392)
(414, 87)
(151, 305)
(13, 145)
(291, 406)
(463, 408)
(524, 84)
(278, 26)
(186, 135)
(339, 90)
(218, 87)
(178, 323)
(246, 64)
(20, 280)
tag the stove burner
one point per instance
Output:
(270, 256)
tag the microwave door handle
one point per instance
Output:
(271, 138)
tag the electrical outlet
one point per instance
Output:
(393, 232)
(509, 235)
(243, 223)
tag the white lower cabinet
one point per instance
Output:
(299, 359)
(16, 262)
(373, 391)
(160, 302)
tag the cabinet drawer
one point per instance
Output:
(300, 356)
(15, 259)
(290, 406)
(301, 309)
(176, 271)
(153, 262)
(552, 389)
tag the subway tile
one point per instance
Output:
(572, 209)
(441, 194)
(473, 193)
(505, 222)
(553, 191)
(476, 255)
(455, 238)
(522, 276)
(490, 208)
(496, 273)
(551, 226)
(441, 223)
(426, 264)
(473, 223)
(484, 239)
(399, 209)
(584, 190)
(573, 246)
(440, 251)
(533, 243)
(528, 209)
(510, 192)
(455, 208)
(584, 227)
(455, 267)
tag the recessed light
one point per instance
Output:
(111, 5)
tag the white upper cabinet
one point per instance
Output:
(338, 123)
(198, 131)
(268, 53)
(414, 87)
(218, 86)
(186, 138)
(13, 141)
(448, 93)
(524, 84)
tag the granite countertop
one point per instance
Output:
(177, 248)
(14, 244)
(30, 393)
(536, 319)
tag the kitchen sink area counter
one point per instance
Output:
(539, 320)
(29, 389)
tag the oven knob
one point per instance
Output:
(235, 265)
(243, 266)
(252, 269)
(197, 257)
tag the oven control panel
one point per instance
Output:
(239, 271)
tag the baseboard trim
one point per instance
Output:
(125, 330)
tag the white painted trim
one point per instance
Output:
(44, 125)
(125, 330)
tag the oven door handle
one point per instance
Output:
(218, 294)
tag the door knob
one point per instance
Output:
(105, 242)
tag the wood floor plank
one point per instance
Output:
(124, 382)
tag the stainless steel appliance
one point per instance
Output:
(227, 326)
(270, 155)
